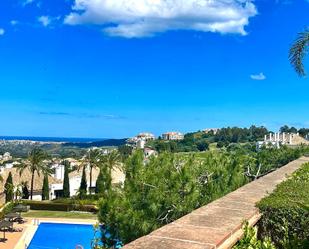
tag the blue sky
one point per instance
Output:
(112, 68)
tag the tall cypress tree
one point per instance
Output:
(9, 188)
(45, 189)
(100, 186)
(66, 180)
(83, 184)
(25, 191)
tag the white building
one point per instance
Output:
(75, 178)
(172, 136)
(140, 140)
(59, 171)
(148, 152)
(278, 139)
(147, 136)
(140, 143)
(214, 130)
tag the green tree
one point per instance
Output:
(108, 163)
(100, 186)
(83, 184)
(298, 52)
(202, 145)
(66, 180)
(36, 165)
(45, 188)
(171, 185)
(303, 132)
(9, 188)
(92, 159)
(25, 191)
(125, 151)
(285, 128)
(288, 129)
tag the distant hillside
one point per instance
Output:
(200, 140)
(70, 149)
(107, 142)
(51, 139)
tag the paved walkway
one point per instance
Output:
(218, 224)
(12, 237)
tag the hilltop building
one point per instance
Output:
(213, 130)
(278, 139)
(172, 136)
(147, 136)
(139, 141)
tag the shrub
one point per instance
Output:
(7, 209)
(286, 213)
(250, 240)
(54, 206)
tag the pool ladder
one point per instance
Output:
(36, 222)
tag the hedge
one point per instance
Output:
(285, 212)
(41, 205)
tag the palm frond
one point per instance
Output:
(298, 52)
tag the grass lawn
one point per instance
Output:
(58, 214)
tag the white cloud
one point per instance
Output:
(14, 22)
(259, 76)
(2, 31)
(138, 18)
(26, 2)
(44, 20)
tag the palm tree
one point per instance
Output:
(112, 159)
(298, 52)
(109, 162)
(35, 164)
(93, 159)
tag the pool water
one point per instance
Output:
(62, 236)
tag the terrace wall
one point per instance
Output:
(217, 225)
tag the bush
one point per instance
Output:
(87, 200)
(285, 213)
(54, 206)
(7, 209)
(250, 240)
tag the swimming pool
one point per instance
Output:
(62, 236)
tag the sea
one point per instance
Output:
(54, 139)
